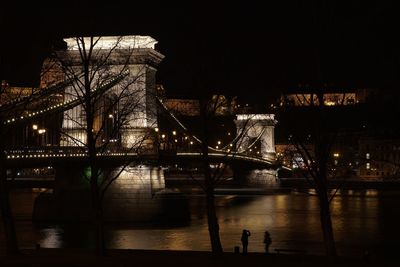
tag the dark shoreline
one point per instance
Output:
(120, 257)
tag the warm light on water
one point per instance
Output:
(361, 218)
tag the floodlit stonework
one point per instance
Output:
(134, 55)
(257, 131)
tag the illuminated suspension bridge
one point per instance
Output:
(252, 129)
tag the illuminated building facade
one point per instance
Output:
(330, 99)
(379, 158)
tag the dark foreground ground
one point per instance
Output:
(119, 258)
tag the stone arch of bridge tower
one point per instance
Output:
(256, 132)
(135, 53)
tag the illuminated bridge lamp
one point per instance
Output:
(163, 136)
(156, 130)
(174, 132)
(34, 127)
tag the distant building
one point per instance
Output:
(51, 73)
(379, 158)
(330, 99)
(220, 104)
(183, 107)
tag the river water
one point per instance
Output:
(362, 219)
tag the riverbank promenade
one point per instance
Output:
(120, 258)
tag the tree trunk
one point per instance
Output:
(209, 185)
(100, 242)
(6, 212)
(213, 226)
(97, 211)
(326, 224)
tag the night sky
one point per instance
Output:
(243, 48)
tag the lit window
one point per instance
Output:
(368, 166)
(367, 156)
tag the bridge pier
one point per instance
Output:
(263, 177)
(138, 194)
(255, 177)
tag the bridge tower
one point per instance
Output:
(256, 132)
(138, 56)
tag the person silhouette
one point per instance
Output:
(267, 241)
(245, 240)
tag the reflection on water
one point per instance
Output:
(362, 219)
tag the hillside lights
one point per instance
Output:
(34, 127)
(42, 131)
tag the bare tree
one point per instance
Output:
(115, 113)
(6, 212)
(14, 102)
(313, 136)
(214, 172)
